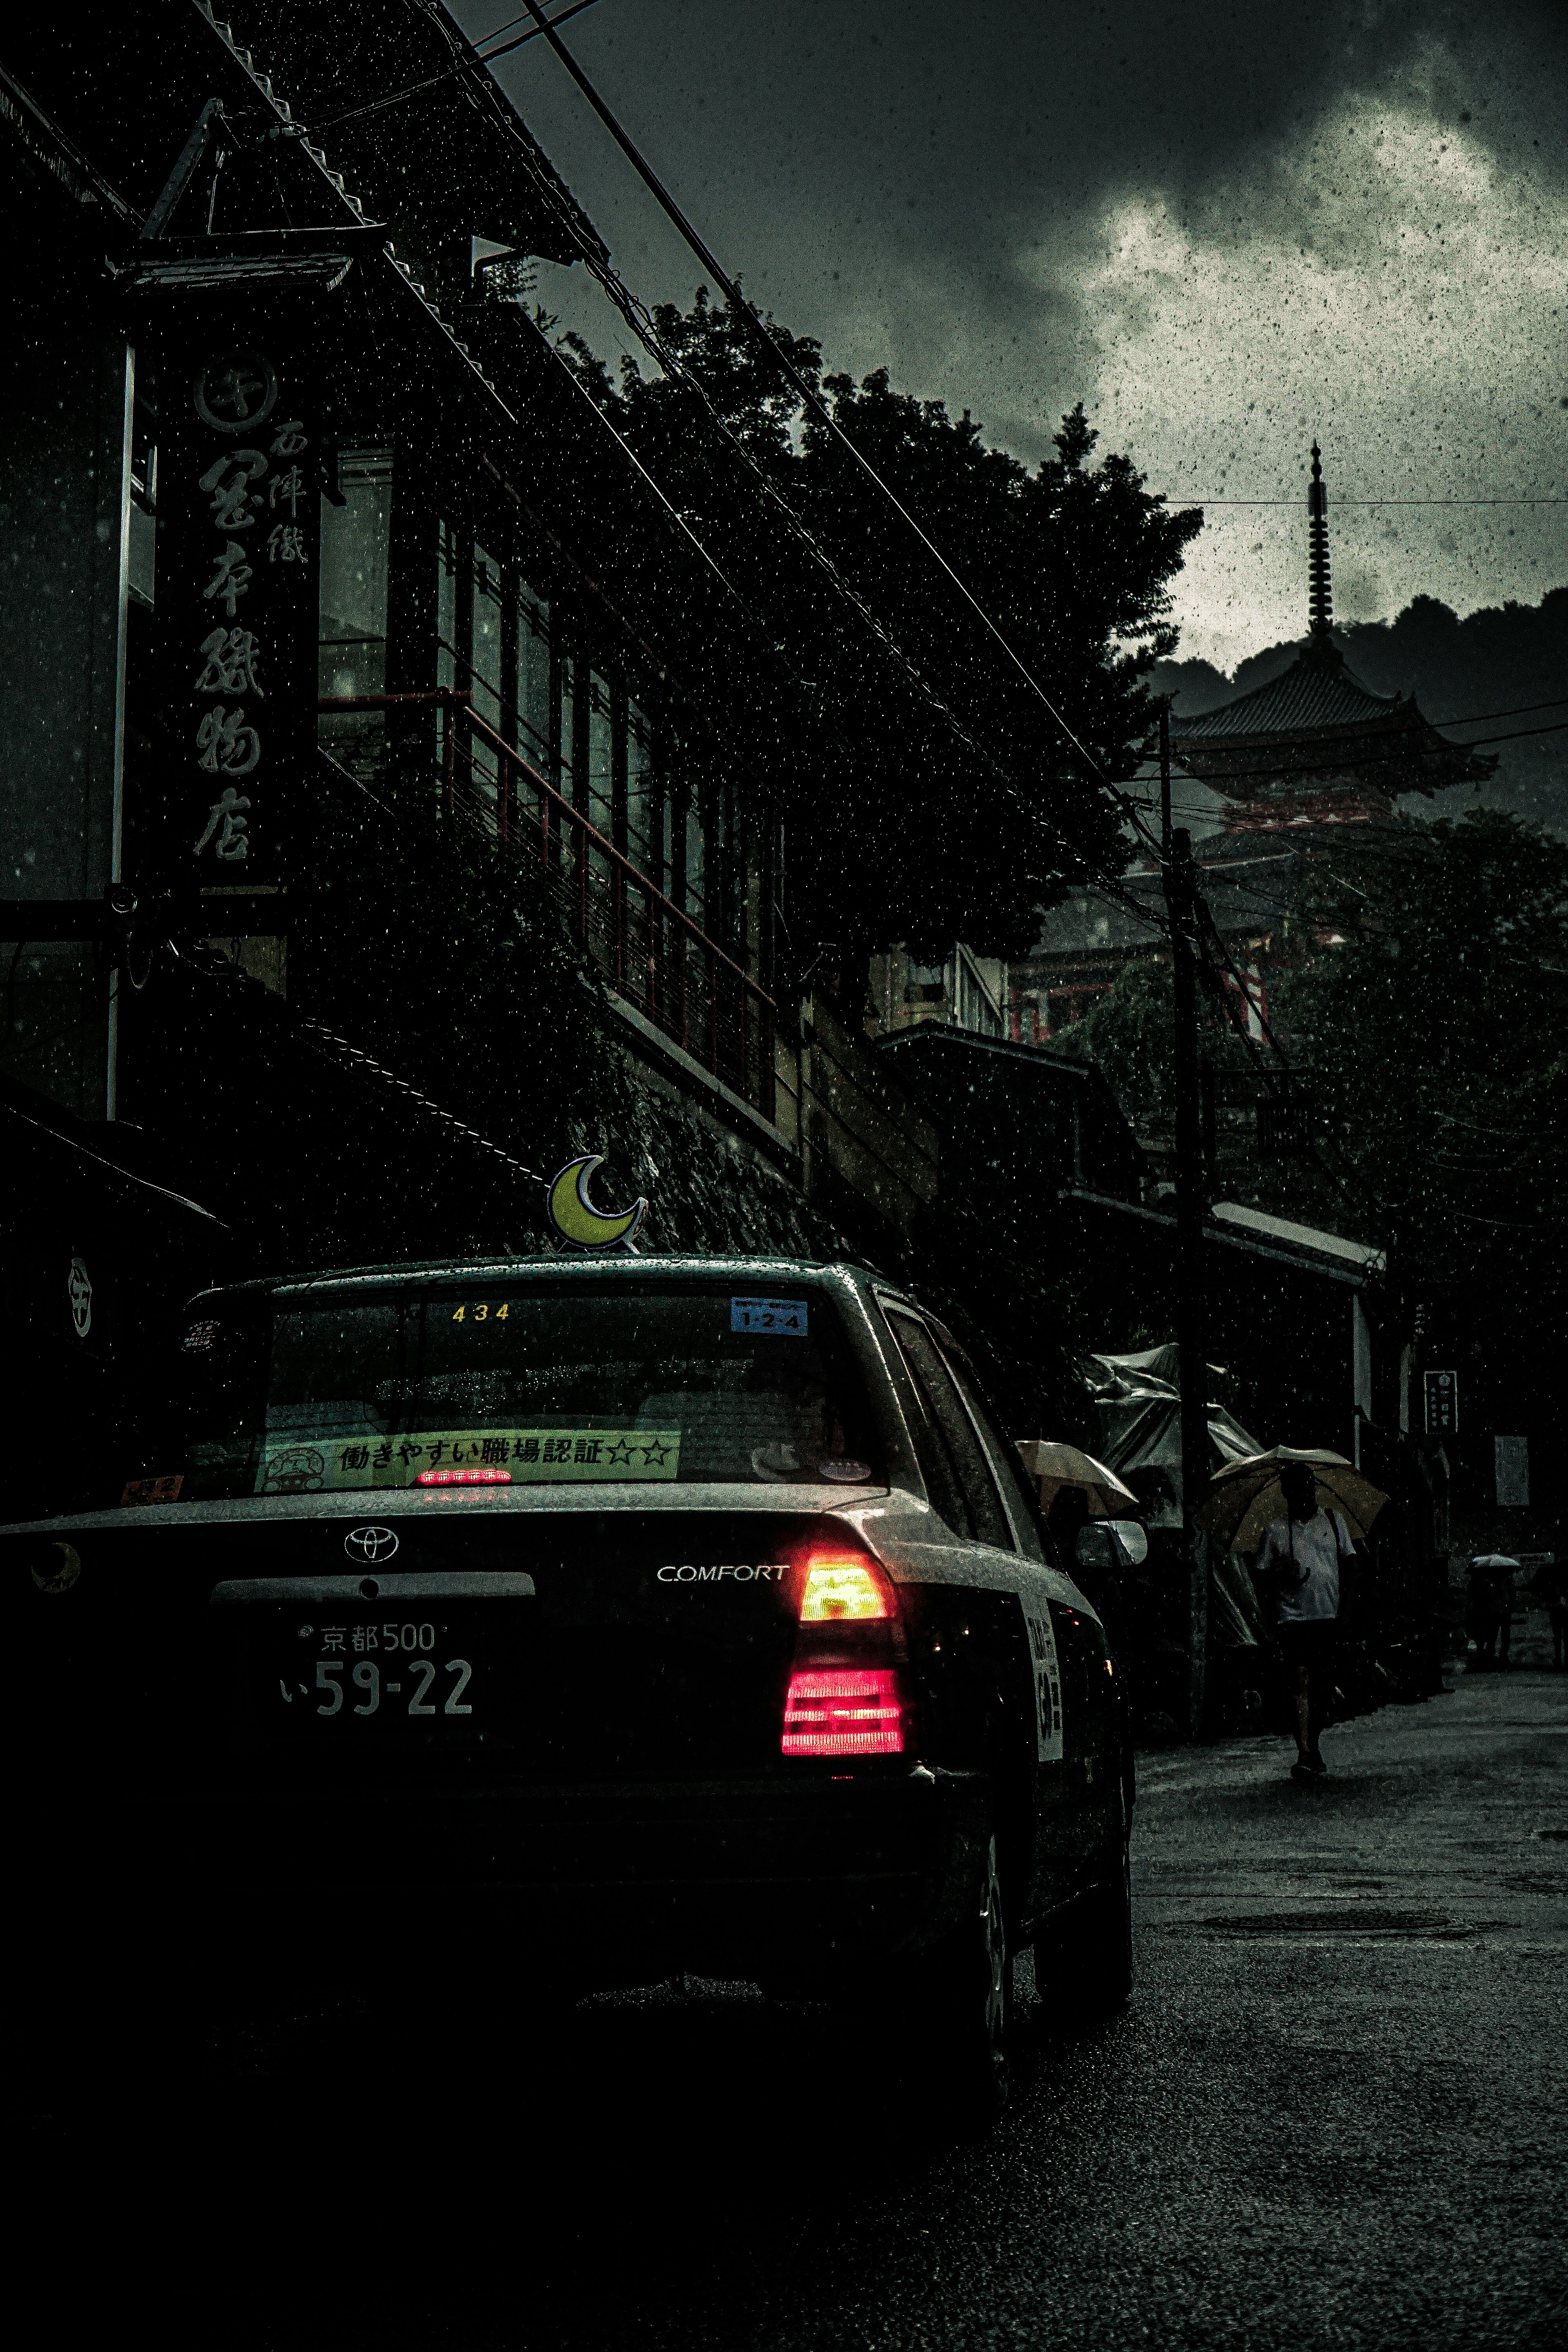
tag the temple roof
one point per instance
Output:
(1318, 691)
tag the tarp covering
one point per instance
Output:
(1139, 1407)
(1140, 1404)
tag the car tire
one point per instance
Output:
(960, 2006)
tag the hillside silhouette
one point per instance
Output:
(1495, 660)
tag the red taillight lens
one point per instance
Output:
(843, 1711)
(487, 1476)
(841, 1587)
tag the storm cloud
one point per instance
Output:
(1226, 228)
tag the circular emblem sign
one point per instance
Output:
(58, 1569)
(80, 1289)
(370, 1543)
(235, 392)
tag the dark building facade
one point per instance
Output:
(373, 838)
(337, 649)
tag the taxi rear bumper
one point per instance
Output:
(738, 1878)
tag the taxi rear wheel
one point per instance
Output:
(961, 2003)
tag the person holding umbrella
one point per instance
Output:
(1302, 1510)
(1303, 1553)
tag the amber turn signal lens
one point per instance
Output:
(838, 1590)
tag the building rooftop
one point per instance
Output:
(1366, 1255)
(1318, 691)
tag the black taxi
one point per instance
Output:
(619, 1616)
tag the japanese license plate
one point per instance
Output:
(415, 1668)
(412, 1658)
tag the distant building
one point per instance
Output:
(962, 992)
(1315, 748)
(1262, 784)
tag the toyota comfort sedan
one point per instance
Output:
(589, 1620)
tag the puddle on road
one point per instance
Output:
(1409, 1927)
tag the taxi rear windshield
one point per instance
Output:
(492, 1386)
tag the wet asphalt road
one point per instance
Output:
(1335, 2114)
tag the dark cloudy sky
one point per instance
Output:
(1224, 225)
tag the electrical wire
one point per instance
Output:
(1467, 718)
(810, 397)
(1517, 710)
(328, 1039)
(1186, 498)
(635, 315)
(1282, 1073)
(637, 318)
(449, 73)
(1371, 759)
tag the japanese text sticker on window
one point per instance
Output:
(780, 1318)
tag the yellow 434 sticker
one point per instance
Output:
(518, 1457)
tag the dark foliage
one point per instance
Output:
(950, 802)
(1436, 1021)
(1428, 995)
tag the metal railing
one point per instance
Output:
(651, 953)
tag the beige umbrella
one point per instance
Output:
(1245, 1497)
(1054, 1464)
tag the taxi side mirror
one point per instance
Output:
(1112, 1543)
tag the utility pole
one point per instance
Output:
(1181, 903)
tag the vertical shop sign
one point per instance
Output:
(1441, 1391)
(237, 600)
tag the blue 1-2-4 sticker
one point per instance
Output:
(780, 1318)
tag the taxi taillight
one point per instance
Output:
(843, 1711)
(843, 1697)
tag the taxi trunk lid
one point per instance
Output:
(537, 1647)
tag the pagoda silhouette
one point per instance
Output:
(1316, 747)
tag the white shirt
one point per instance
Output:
(1318, 1545)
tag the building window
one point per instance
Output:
(535, 733)
(644, 843)
(355, 539)
(694, 855)
(447, 659)
(485, 678)
(545, 682)
(600, 749)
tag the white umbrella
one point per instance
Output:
(1053, 1465)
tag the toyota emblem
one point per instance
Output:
(370, 1543)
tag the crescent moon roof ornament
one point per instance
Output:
(573, 1215)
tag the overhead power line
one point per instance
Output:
(1367, 760)
(809, 395)
(1517, 710)
(1195, 499)
(449, 73)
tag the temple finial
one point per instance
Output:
(1319, 590)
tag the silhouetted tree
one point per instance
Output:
(949, 803)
